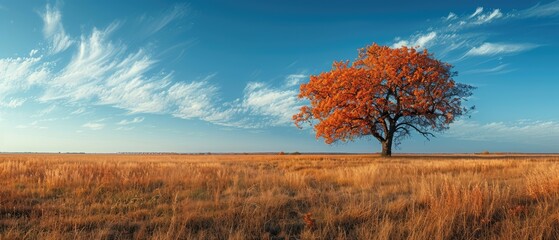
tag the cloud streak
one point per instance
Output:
(101, 71)
(13, 103)
(487, 18)
(451, 16)
(478, 11)
(419, 41)
(264, 105)
(54, 31)
(19, 74)
(276, 105)
(295, 79)
(495, 70)
(133, 121)
(94, 126)
(458, 37)
(490, 49)
(157, 24)
(545, 10)
(524, 131)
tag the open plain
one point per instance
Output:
(63, 196)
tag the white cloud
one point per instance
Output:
(157, 25)
(34, 124)
(19, 74)
(193, 100)
(13, 103)
(424, 40)
(527, 131)
(295, 79)
(94, 126)
(33, 52)
(101, 72)
(486, 18)
(545, 10)
(400, 44)
(278, 105)
(45, 111)
(125, 128)
(478, 11)
(54, 31)
(127, 122)
(451, 16)
(498, 48)
(263, 105)
(498, 69)
(419, 41)
(78, 111)
(458, 34)
(105, 72)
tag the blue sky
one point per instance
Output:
(222, 76)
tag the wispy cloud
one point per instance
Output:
(195, 100)
(122, 128)
(495, 70)
(54, 31)
(156, 24)
(94, 126)
(19, 74)
(489, 49)
(33, 52)
(45, 111)
(294, 79)
(35, 124)
(276, 105)
(460, 36)
(419, 40)
(264, 104)
(13, 103)
(487, 18)
(480, 18)
(522, 131)
(451, 16)
(545, 10)
(127, 122)
(102, 71)
(23, 126)
(78, 111)
(478, 11)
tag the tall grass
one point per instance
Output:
(278, 197)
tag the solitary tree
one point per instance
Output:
(386, 93)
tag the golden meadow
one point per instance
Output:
(58, 196)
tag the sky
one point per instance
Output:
(223, 76)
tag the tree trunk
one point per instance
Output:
(387, 147)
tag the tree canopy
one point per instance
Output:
(387, 93)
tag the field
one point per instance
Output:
(57, 196)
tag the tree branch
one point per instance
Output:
(424, 133)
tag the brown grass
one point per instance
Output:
(278, 197)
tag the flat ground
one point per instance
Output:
(278, 197)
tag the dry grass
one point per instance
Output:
(278, 197)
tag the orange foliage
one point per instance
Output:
(385, 93)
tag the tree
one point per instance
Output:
(386, 93)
